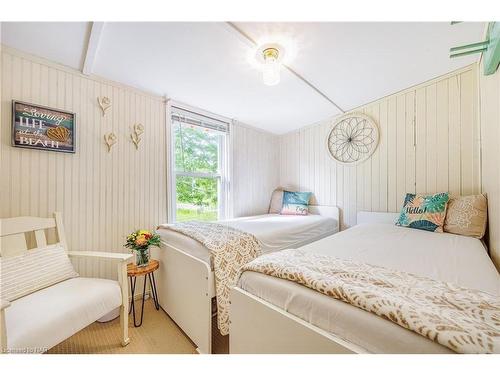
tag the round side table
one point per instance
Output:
(148, 272)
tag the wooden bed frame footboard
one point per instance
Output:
(186, 286)
(185, 289)
(258, 327)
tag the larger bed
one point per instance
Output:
(186, 283)
(269, 314)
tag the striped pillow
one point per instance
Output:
(34, 270)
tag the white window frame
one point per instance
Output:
(223, 174)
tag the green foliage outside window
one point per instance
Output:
(200, 192)
(197, 151)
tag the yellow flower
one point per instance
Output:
(143, 232)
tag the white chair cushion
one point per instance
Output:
(49, 316)
(33, 270)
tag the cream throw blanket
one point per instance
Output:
(230, 249)
(464, 320)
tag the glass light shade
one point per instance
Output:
(271, 71)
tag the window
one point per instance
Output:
(200, 164)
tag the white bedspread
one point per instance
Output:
(442, 256)
(275, 232)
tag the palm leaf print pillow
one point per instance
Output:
(426, 212)
(295, 203)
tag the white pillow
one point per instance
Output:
(33, 270)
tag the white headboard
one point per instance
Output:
(365, 217)
(328, 211)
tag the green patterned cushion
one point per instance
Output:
(426, 212)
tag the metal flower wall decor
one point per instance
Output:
(137, 131)
(104, 103)
(353, 139)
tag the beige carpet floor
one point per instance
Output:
(157, 335)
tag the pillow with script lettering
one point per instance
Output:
(426, 212)
(295, 203)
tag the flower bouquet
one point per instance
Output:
(139, 242)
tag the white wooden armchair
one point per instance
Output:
(13, 242)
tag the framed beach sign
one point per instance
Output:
(42, 128)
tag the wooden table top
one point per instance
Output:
(133, 270)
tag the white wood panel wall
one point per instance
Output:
(102, 196)
(429, 142)
(255, 169)
(490, 134)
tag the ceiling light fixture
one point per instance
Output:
(271, 68)
(270, 56)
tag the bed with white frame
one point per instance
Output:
(186, 283)
(259, 326)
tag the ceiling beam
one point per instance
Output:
(248, 40)
(92, 47)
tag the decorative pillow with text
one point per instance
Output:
(295, 203)
(426, 212)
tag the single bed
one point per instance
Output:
(275, 232)
(271, 315)
(186, 280)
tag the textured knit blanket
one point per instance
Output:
(230, 249)
(463, 320)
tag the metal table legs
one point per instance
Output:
(152, 283)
